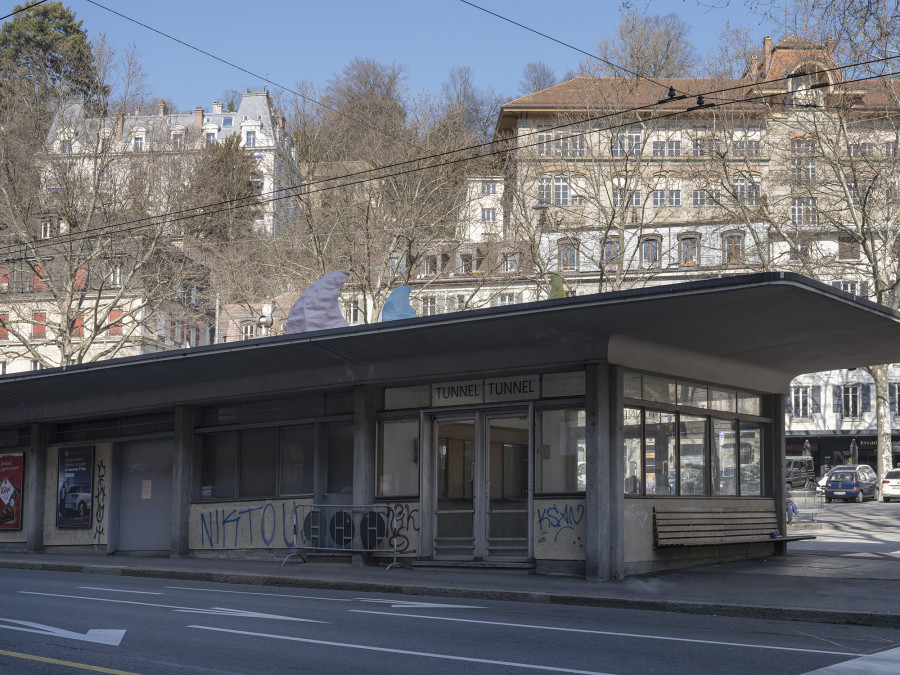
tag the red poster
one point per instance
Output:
(12, 475)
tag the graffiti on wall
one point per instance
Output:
(100, 499)
(267, 524)
(407, 522)
(560, 521)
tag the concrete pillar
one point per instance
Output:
(597, 548)
(778, 456)
(182, 461)
(364, 440)
(616, 474)
(35, 499)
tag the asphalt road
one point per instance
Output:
(59, 622)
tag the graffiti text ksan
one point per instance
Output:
(557, 519)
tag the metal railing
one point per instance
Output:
(342, 528)
(810, 503)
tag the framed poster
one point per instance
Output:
(75, 487)
(12, 477)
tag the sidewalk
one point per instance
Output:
(805, 585)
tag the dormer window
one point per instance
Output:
(210, 139)
(178, 141)
(251, 139)
(138, 143)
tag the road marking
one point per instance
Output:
(70, 664)
(603, 632)
(103, 636)
(220, 611)
(391, 650)
(880, 662)
(271, 595)
(116, 590)
(411, 604)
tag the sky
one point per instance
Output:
(287, 42)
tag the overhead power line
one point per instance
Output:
(22, 9)
(303, 189)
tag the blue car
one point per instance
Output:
(851, 483)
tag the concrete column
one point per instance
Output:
(778, 455)
(182, 461)
(597, 472)
(364, 440)
(616, 474)
(35, 499)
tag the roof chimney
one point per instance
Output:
(767, 54)
(198, 120)
(163, 109)
(217, 107)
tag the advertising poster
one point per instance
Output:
(75, 487)
(12, 477)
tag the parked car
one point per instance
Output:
(799, 472)
(854, 483)
(78, 499)
(890, 485)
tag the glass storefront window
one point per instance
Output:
(751, 453)
(632, 385)
(259, 452)
(692, 395)
(722, 400)
(218, 466)
(692, 467)
(633, 437)
(659, 453)
(298, 452)
(340, 459)
(397, 459)
(659, 389)
(749, 404)
(561, 466)
(723, 464)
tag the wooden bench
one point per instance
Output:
(698, 526)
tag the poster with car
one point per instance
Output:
(12, 476)
(75, 487)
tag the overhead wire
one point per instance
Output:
(22, 9)
(193, 212)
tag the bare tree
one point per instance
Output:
(648, 45)
(536, 75)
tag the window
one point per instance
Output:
(460, 302)
(566, 144)
(560, 464)
(746, 192)
(4, 331)
(611, 253)
(36, 365)
(2, 367)
(803, 169)
(561, 191)
(4, 278)
(251, 139)
(46, 230)
(667, 148)
(803, 211)
(488, 215)
(800, 402)
(430, 265)
(296, 459)
(568, 257)
(707, 197)
(622, 197)
(627, 144)
(39, 282)
(650, 252)
(799, 248)
(545, 143)
(397, 459)
(248, 330)
(511, 262)
(178, 141)
(465, 263)
(688, 250)
(429, 305)
(210, 139)
(746, 148)
(138, 143)
(733, 248)
(353, 313)
(488, 187)
(704, 147)
(78, 325)
(395, 265)
(848, 248)
(850, 400)
(890, 149)
(115, 322)
(39, 325)
(105, 173)
(894, 405)
(545, 190)
(227, 121)
(505, 299)
(114, 278)
(667, 198)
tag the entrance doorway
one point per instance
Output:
(482, 479)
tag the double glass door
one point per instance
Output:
(482, 479)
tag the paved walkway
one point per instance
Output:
(842, 577)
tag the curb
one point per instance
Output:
(674, 606)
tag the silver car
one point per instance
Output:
(890, 485)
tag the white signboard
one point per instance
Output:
(495, 390)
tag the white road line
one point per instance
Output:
(220, 611)
(871, 664)
(390, 650)
(604, 632)
(271, 595)
(116, 590)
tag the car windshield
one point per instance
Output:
(842, 476)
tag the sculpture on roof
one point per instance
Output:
(397, 306)
(318, 308)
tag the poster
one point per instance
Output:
(12, 476)
(75, 487)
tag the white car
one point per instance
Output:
(890, 485)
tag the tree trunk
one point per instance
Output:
(883, 421)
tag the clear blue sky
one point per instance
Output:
(291, 41)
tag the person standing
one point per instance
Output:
(791, 506)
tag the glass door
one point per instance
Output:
(508, 481)
(455, 470)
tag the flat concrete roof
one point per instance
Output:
(752, 331)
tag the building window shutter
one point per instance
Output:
(4, 333)
(78, 326)
(837, 398)
(115, 322)
(80, 277)
(865, 398)
(816, 396)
